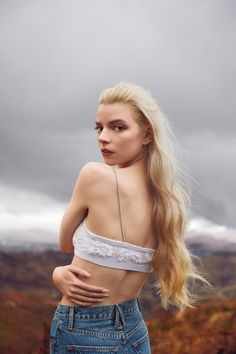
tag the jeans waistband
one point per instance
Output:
(116, 312)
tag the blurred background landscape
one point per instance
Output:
(56, 58)
(28, 300)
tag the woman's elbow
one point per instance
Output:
(65, 243)
(66, 249)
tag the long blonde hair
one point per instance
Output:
(173, 262)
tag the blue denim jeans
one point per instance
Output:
(118, 328)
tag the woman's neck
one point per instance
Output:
(139, 162)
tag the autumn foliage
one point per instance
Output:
(28, 300)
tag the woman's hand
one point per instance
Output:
(68, 280)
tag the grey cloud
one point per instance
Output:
(211, 160)
(55, 64)
(57, 56)
(47, 163)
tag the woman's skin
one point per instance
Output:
(94, 198)
(69, 280)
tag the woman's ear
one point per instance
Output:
(147, 136)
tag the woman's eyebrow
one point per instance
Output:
(114, 121)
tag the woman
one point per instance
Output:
(126, 218)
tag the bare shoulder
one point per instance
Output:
(95, 172)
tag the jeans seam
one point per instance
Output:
(97, 334)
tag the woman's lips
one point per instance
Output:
(106, 152)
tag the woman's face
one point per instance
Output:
(120, 138)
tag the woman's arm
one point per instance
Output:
(77, 209)
(67, 279)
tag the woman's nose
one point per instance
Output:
(104, 136)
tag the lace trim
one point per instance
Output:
(84, 244)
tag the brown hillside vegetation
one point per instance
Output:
(28, 300)
(209, 329)
(24, 322)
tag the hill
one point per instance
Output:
(28, 300)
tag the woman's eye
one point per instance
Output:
(116, 128)
(99, 129)
(119, 128)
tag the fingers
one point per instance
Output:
(93, 296)
(75, 291)
(79, 271)
(91, 290)
(78, 291)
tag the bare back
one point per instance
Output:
(103, 219)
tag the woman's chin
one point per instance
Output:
(110, 163)
(115, 162)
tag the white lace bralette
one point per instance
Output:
(111, 253)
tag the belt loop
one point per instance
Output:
(119, 317)
(139, 305)
(71, 318)
(122, 317)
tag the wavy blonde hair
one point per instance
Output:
(173, 262)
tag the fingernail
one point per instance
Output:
(105, 290)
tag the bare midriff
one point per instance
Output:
(123, 285)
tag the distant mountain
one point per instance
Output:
(207, 240)
(13, 245)
(27, 269)
(203, 245)
(202, 237)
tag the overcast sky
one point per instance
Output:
(57, 56)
